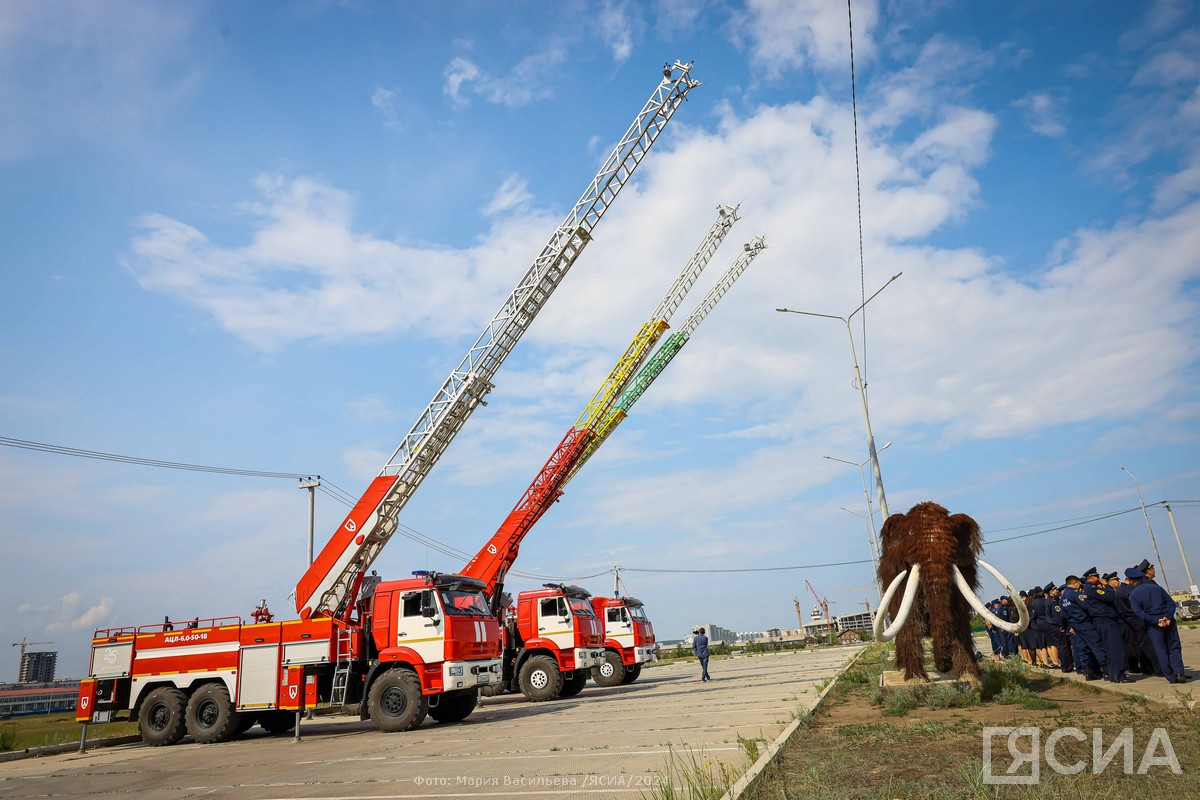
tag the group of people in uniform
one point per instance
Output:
(1100, 626)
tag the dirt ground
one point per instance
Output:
(853, 748)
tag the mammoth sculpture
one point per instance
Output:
(938, 553)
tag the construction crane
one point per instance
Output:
(799, 614)
(332, 582)
(492, 562)
(824, 604)
(23, 644)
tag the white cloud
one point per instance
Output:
(90, 619)
(527, 82)
(384, 101)
(1042, 114)
(788, 34)
(308, 274)
(618, 21)
(513, 193)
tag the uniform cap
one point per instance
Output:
(1108, 575)
(1134, 573)
(1142, 567)
(1062, 588)
(1023, 593)
(1091, 571)
(1036, 590)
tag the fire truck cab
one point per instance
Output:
(552, 642)
(628, 640)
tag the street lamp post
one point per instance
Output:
(862, 386)
(871, 543)
(311, 484)
(867, 497)
(1162, 571)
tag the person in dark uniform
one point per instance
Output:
(1102, 606)
(1025, 637)
(1008, 641)
(992, 631)
(1147, 657)
(1156, 608)
(1037, 620)
(1054, 632)
(1147, 570)
(1133, 630)
(1090, 654)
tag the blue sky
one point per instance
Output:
(259, 236)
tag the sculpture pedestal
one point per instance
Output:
(894, 679)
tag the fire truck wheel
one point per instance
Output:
(575, 685)
(276, 722)
(245, 723)
(161, 718)
(455, 706)
(210, 715)
(493, 690)
(540, 679)
(632, 673)
(395, 701)
(611, 670)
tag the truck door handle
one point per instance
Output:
(398, 635)
(541, 629)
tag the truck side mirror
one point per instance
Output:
(429, 611)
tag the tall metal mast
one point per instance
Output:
(332, 581)
(491, 564)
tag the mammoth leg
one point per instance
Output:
(910, 653)
(950, 628)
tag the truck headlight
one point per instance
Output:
(456, 670)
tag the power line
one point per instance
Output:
(149, 462)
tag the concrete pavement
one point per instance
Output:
(611, 743)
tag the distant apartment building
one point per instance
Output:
(716, 633)
(17, 699)
(37, 667)
(862, 621)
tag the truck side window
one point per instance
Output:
(550, 607)
(412, 605)
(614, 615)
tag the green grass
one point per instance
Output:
(42, 730)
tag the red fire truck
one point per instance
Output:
(628, 640)
(399, 650)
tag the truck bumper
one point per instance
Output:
(470, 674)
(643, 654)
(586, 657)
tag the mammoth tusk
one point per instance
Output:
(906, 602)
(1022, 611)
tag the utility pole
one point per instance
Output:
(311, 484)
(1195, 590)
(1161, 567)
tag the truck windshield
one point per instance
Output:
(581, 608)
(638, 613)
(464, 603)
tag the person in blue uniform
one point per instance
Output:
(1037, 619)
(1008, 641)
(1133, 631)
(992, 631)
(1156, 608)
(1025, 637)
(1102, 606)
(1090, 654)
(1054, 634)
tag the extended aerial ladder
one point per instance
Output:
(668, 350)
(332, 582)
(492, 562)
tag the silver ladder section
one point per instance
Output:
(466, 387)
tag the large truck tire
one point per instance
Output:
(540, 679)
(611, 670)
(494, 689)
(246, 722)
(395, 702)
(277, 722)
(161, 717)
(210, 714)
(575, 684)
(455, 706)
(632, 673)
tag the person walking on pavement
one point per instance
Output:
(700, 646)
(1156, 608)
